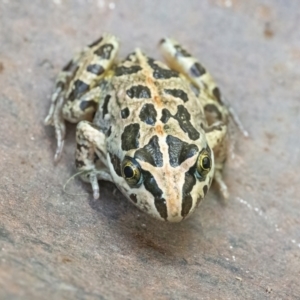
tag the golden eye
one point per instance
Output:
(203, 164)
(131, 171)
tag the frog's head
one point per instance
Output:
(168, 177)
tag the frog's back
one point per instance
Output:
(147, 98)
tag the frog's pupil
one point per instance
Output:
(128, 172)
(206, 163)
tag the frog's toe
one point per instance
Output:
(59, 149)
(48, 120)
(221, 184)
(224, 192)
(60, 132)
(95, 185)
(91, 177)
(237, 121)
(60, 129)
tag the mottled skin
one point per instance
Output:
(157, 132)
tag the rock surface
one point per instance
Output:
(57, 246)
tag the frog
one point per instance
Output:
(158, 131)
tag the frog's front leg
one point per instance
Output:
(91, 155)
(216, 136)
(181, 60)
(78, 90)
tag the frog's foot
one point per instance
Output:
(237, 121)
(91, 155)
(92, 177)
(56, 119)
(49, 119)
(221, 184)
(60, 129)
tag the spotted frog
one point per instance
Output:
(157, 131)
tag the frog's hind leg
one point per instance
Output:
(182, 61)
(210, 97)
(209, 94)
(78, 86)
(91, 155)
(55, 117)
(61, 84)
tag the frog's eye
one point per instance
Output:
(131, 171)
(203, 164)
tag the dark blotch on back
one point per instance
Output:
(125, 113)
(177, 93)
(121, 70)
(95, 69)
(197, 70)
(148, 114)
(166, 115)
(152, 187)
(183, 117)
(139, 91)
(130, 137)
(80, 88)
(104, 51)
(151, 153)
(179, 151)
(116, 162)
(161, 73)
(105, 105)
(164, 74)
(86, 104)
